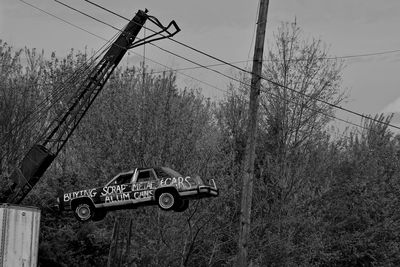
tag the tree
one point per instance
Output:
(291, 135)
(359, 212)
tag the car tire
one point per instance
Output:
(182, 205)
(166, 201)
(84, 211)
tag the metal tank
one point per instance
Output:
(19, 235)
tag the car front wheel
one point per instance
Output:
(166, 201)
(84, 212)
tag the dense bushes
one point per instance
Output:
(318, 200)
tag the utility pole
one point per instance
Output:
(248, 170)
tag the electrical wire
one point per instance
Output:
(329, 58)
(266, 79)
(302, 59)
(83, 13)
(232, 78)
(210, 65)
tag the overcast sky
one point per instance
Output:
(224, 28)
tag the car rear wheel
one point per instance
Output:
(84, 211)
(166, 200)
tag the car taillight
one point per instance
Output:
(198, 180)
(212, 183)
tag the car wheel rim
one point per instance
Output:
(83, 212)
(166, 200)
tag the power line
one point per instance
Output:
(83, 13)
(266, 79)
(54, 16)
(235, 79)
(202, 66)
(227, 63)
(317, 110)
(302, 59)
(366, 54)
(211, 65)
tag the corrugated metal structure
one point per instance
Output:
(19, 235)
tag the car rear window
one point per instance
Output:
(165, 172)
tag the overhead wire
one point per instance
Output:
(249, 72)
(302, 59)
(330, 58)
(232, 78)
(167, 51)
(229, 76)
(83, 13)
(210, 65)
(242, 82)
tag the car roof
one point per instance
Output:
(150, 167)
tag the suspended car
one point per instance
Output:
(160, 186)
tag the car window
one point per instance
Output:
(171, 172)
(122, 179)
(161, 173)
(146, 175)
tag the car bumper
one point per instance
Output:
(208, 190)
(62, 206)
(200, 192)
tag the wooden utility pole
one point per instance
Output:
(248, 170)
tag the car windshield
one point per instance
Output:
(171, 172)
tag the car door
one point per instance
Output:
(116, 192)
(144, 186)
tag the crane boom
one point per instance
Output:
(41, 155)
